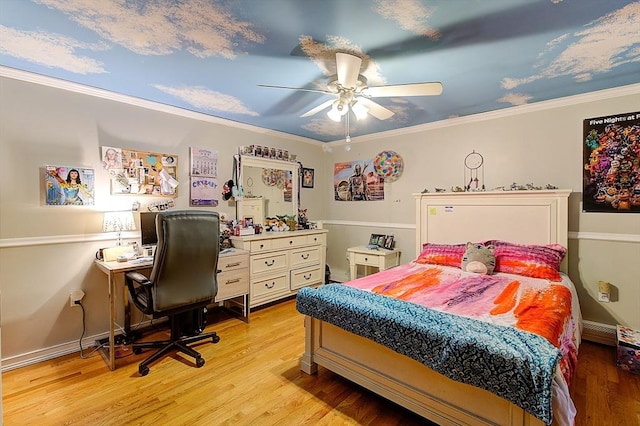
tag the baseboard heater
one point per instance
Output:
(599, 333)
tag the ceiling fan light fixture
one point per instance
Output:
(334, 114)
(359, 110)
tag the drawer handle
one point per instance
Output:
(315, 239)
(290, 242)
(273, 284)
(261, 245)
(231, 265)
(307, 277)
(366, 259)
(237, 280)
(266, 262)
(305, 256)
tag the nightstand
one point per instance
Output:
(381, 259)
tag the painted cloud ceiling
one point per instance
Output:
(210, 56)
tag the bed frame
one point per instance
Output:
(533, 217)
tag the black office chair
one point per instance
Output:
(182, 281)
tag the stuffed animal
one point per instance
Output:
(479, 259)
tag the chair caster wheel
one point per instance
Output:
(143, 370)
(215, 339)
(199, 362)
(137, 351)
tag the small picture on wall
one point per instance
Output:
(307, 177)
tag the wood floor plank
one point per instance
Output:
(252, 377)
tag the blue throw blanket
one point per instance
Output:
(515, 365)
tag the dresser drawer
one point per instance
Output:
(260, 245)
(288, 242)
(232, 284)
(305, 256)
(266, 288)
(304, 277)
(316, 239)
(366, 259)
(232, 262)
(269, 262)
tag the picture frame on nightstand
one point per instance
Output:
(376, 240)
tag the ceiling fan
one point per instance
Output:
(353, 94)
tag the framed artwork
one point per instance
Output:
(307, 177)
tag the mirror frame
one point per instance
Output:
(268, 163)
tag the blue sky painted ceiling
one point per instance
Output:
(211, 56)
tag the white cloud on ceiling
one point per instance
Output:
(411, 15)
(326, 127)
(604, 44)
(210, 100)
(50, 50)
(515, 98)
(161, 27)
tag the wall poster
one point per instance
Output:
(141, 172)
(203, 172)
(611, 159)
(357, 181)
(69, 186)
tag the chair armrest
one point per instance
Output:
(140, 291)
(137, 277)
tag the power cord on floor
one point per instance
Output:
(101, 345)
(97, 348)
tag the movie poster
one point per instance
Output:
(69, 186)
(357, 181)
(611, 159)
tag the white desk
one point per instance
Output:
(381, 258)
(113, 269)
(233, 284)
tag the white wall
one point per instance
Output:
(539, 144)
(46, 252)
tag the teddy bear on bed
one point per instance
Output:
(479, 258)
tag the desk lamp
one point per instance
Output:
(118, 222)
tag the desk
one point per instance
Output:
(233, 284)
(381, 258)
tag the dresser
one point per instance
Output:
(280, 263)
(233, 281)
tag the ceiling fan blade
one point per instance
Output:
(348, 68)
(318, 108)
(413, 89)
(295, 88)
(377, 110)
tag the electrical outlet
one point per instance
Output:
(75, 297)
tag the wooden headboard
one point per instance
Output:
(525, 217)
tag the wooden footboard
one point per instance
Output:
(404, 380)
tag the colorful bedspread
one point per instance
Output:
(508, 334)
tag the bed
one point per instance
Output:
(364, 350)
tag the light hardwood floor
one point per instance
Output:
(252, 378)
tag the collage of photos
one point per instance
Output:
(140, 172)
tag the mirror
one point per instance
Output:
(270, 188)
